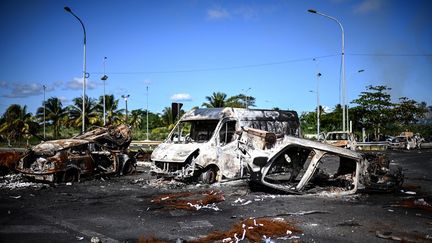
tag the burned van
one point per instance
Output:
(204, 143)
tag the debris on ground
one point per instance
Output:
(403, 237)
(255, 230)
(414, 203)
(152, 239)
(190, 200)
(17, 181)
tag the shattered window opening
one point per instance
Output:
(194, 131)
(227, 133)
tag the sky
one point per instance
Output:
(185, 50)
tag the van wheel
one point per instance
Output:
(209, 176)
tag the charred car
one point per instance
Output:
(210, 145)
(103, 151)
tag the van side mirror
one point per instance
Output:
(260, 161)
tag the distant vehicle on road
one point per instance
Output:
(340, 139)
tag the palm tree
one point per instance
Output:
(16, 122)
(92, 117)
(218, 99)
(136, 118)
(54, 114)
(167, 116)
(113, 114)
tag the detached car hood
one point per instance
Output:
(171, 152)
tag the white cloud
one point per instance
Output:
(327, 109)
(77, 83)
(368, 6)
(217, 14)
(181, 97)
(20, 90)
(64, 100)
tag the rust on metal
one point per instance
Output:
(210, 145)
(102, 150)
(254, 230)
(188, 200)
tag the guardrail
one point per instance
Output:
(371, 146)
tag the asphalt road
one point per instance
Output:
(129, 208)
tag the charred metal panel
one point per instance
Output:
(103, 150)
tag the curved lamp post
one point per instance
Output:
(342, 92)
(44, 103)
(84, 68)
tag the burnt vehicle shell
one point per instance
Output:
(204, 143)
(302, 166)
(103, 150)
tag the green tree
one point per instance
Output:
(376, 107)
(167, 117)
(408, 111)
(16, 122)
(217, 99)
(92, 117)
(332, 120)
(113, 114)
(54, 114)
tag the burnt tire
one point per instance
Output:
(209, 176)
(128, 168)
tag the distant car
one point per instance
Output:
(340, 139)
(401, 142)
(425, 143)
(103, 150)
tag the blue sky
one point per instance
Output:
(185, 50)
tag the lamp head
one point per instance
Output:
(68, 9)
(312, 11)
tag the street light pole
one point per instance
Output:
(342, 85)
(347, 112)
(147, 114)
(125, 97)
(84, 67)
(247, 98)
(104, 78)
(44, 88)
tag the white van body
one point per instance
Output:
(205, 141)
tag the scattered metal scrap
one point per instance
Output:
(190, 200)
(103, 150)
